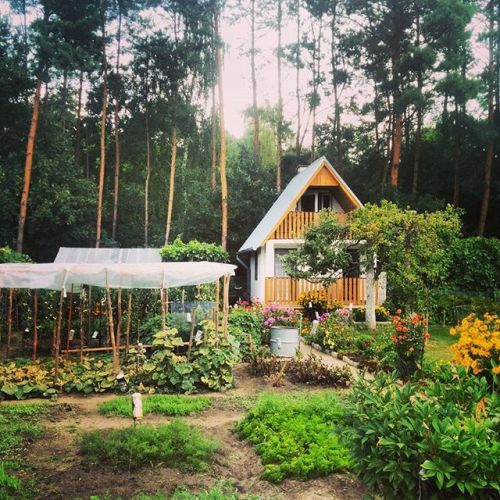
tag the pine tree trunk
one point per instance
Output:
(78, 138)
(171, 187)
(222, 138)
(297, 81)
(30, 148)
(396, 148)
(102, 158)
(279, 138)
(491, 145)
(213, 181)
(255, 111)
(146, 181)
(338, 137)
(117, 130)
(418, 132)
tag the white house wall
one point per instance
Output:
(257, 287)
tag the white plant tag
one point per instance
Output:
(188, 317)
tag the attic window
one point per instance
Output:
(308, 203)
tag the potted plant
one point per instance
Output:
(283, 324)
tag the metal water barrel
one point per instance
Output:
(284, 341)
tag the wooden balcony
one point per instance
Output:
(286, 291)
(295, 223)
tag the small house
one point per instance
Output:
(316, 187)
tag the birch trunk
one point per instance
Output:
(171, 187)
(371, 322)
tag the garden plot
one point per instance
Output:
(60, 471)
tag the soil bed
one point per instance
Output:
(54, 461)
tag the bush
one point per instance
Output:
(476, 264)
(335, 334)
(162, 404)
(433, 440)
(245, 324)
(312, 303)
(193, 251)
(295, 435)
(310, 370)
(381, 314)
(176, 445)
(478, 345)
(7, 255)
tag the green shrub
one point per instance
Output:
(433, 440)
(312, 303)
(176, 445)
(221, 491)
(245, 324)
(335, 334)
(381, 314)
(162, 404)
(7, 255)
(295, 435)
(194, 250)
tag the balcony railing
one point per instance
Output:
(295, 223)
(286, 291)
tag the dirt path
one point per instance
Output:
(57, 466)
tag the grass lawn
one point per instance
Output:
(438, 347)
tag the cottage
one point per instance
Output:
(316, 187)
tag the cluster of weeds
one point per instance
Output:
(295, 436)
(175, 445)
(164, 404)
(19, 425)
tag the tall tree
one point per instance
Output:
(279, 55)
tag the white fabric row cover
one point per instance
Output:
(153, 276)
(68, 255)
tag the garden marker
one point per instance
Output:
(137, 413)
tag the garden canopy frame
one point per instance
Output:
(59, 276)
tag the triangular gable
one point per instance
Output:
(319, 171)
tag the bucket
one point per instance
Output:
(284, 341)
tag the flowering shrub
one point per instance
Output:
(479, 344)
(343, 315)
(381, 314)
(409, 340)
(313, 302)
(275, 315)
(335, 333)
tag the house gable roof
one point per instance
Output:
(311, 175)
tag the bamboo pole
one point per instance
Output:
(119, 319)
(163, 310)
(129, 323)
(225, 305)
(9, 321)
(58, 336)
(81, 326)
(191, 334)
(35, 324)
(70, 319)
(216, 314)
(111, 331)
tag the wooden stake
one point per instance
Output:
(191, 333)
(129, 322)
(58, 336)
(116, 361)
(9, 321)
(163, 310)
(216, 318)
(119, 320)
(225, 304)
(70, 320)
(35, 324)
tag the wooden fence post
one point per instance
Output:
(9, 321)
(35, 324)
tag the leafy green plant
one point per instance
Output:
(222, 491)
(176, 445)
(335, 334)
(214, 358)
(433, 440)
(245, 324)
(163, 404)
(381, 314)
(194, 250)
(295, 435)
(312, 303)
(7, 255)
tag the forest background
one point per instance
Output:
(112, 116)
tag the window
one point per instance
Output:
(324, 201)
(308, 203)
(279, 253)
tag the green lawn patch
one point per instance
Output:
(438, 347)
(19, 424)
(295, 436)
(175, 445)
(162, 404)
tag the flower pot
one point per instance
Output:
(284, 341)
